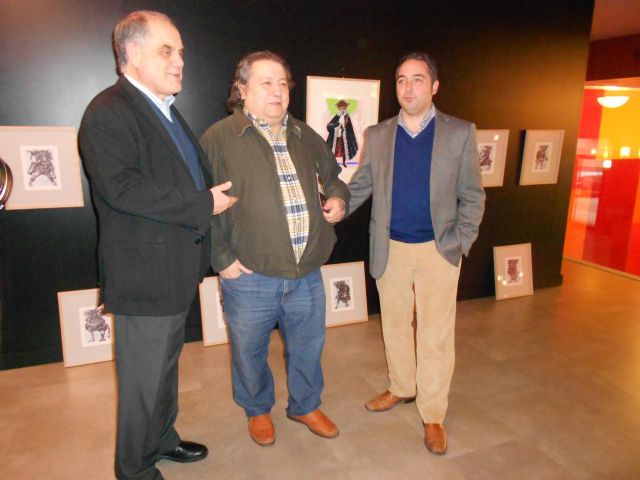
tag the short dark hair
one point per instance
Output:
(422, 57)
(243, 68)
(133, 28)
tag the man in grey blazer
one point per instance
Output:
(421, 168)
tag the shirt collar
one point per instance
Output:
(263, 125)
(430, 115)
(163, 105)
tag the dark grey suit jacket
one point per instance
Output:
(456, 193)
(154, 242)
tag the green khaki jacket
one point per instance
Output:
(255, 229)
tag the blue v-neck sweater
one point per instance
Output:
(410, 202)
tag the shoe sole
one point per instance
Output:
(313, 431)
(434, 452)
(177, 460)
(262, 444)
(404, 400)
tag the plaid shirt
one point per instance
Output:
(295, 204)
(431, 114)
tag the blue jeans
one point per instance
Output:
(254, 304)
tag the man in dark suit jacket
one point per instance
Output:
(421, 168)
(151, 187)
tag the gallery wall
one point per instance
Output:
(504, 65)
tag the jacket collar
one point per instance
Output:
(241, 122)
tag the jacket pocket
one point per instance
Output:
(140, 271)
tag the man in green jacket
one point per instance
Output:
(269, 249)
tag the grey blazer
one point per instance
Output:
(457, 196)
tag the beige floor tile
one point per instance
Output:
(545, 387)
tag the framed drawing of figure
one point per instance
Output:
(45, 165)
(492, 155)
(346, 293)
(513, 271)
(86, 331)
(340, 109)
(541, 157)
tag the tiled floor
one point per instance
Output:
(545, 387)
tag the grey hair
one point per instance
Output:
(243, 69)
(422, 57)
(133, 28)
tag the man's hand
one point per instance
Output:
(333, 209)
(222, 201)
(234, 270)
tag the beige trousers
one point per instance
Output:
(423, 364)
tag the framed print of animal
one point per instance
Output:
(512, 270)
(87, 331)
(214, 325)
(492, 155)
(45, 165)
(541, 157)
(339, 110)
(346, 293)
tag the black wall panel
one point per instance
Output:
(503, 64)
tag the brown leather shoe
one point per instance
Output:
(386, 401)
(261, 430)
(435, 438)
(318, 423)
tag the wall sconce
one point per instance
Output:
(613, 101)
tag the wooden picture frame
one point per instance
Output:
(45, 165)
(513, 272)
(346, 293)
(214, 324)
(86, 331)
(492, 156)
(541, 157)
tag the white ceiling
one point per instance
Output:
(615, 18)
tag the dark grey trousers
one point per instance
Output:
(147, 353)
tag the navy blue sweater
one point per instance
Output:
(410, 202)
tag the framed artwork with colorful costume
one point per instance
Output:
(339, 110)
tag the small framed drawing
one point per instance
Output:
(87, 332)
(513, 273)
(339, 110)
(492, 154)
(541, 157)
(214, 326)
(346, 294)
(45, 165)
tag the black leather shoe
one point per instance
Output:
(186, 452)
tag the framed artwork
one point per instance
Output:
(214, 326)
(87, 332)
(513, 272)
(340, 109)
(541, 157)
(45, 165)
(492, 155)
(346, 293)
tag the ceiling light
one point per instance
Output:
(613, 101)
